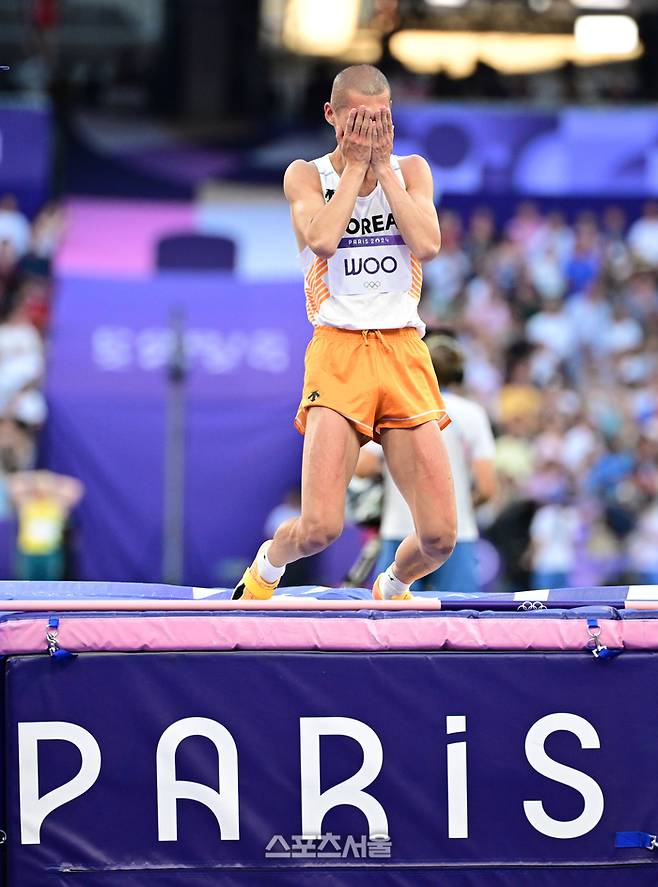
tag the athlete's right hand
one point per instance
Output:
(356, 139)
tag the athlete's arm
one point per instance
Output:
(482, 448)
(413, 207)
(321, 225)
(485, 485)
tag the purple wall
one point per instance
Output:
(106, 388)
(25, 144)
(505, 714)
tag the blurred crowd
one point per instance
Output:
(560, 325)
(40, 500)
(26, 252)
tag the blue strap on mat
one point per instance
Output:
(598, 650)
(636, 840)
(54, 649)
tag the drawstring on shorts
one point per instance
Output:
(378, 335)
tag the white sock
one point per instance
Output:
(390, 584)
(266, 570)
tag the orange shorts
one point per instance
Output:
(374, 378)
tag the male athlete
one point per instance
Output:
(364, 220)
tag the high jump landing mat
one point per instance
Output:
(160, 736)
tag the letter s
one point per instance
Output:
(588, 788)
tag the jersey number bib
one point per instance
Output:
(370, 264)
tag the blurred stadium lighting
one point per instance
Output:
(426, 52)
(365, 49)
(452, 3)
(601, 4)
(458, 52)
(540, 5)
(610, 34)
(313, 27)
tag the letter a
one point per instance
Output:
(224, 804)
(315, 803)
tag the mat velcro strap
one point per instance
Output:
(599, 650)
(642, 840)
(60, 655)
(54, 649)
(607, 653)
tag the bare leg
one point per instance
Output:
(331, 450)
(418, 462)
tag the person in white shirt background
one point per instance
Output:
(643, 235)
(471, 450)
(554, 531)
(14, 225)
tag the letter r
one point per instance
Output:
(315, 803)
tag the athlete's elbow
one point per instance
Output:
(322, 248)
(429, 250)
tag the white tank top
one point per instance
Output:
(372, 281)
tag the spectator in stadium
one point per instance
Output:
(21, 369)
(643, 547)
(447, 274)
(553, 536)
(643, 235)
(481, 237)
(560, 323)
(525, 224)
(25, 296)
(43, 503)
(8, 276)
(14, 225)
(45, 238)
(583, 263)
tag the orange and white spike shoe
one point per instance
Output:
(251, 587)
(378, 595)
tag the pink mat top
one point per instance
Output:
(167, 632)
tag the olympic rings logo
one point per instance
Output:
(371, 284)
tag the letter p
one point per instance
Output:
(35, 809)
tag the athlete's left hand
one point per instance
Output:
(382, 138)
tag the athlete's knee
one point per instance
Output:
(317, 534)
(438, 543)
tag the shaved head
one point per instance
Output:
(362, 79)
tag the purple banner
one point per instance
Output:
(573, 151)
(25, 137)
(374, 240)
(252, 768)
(107, 388)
